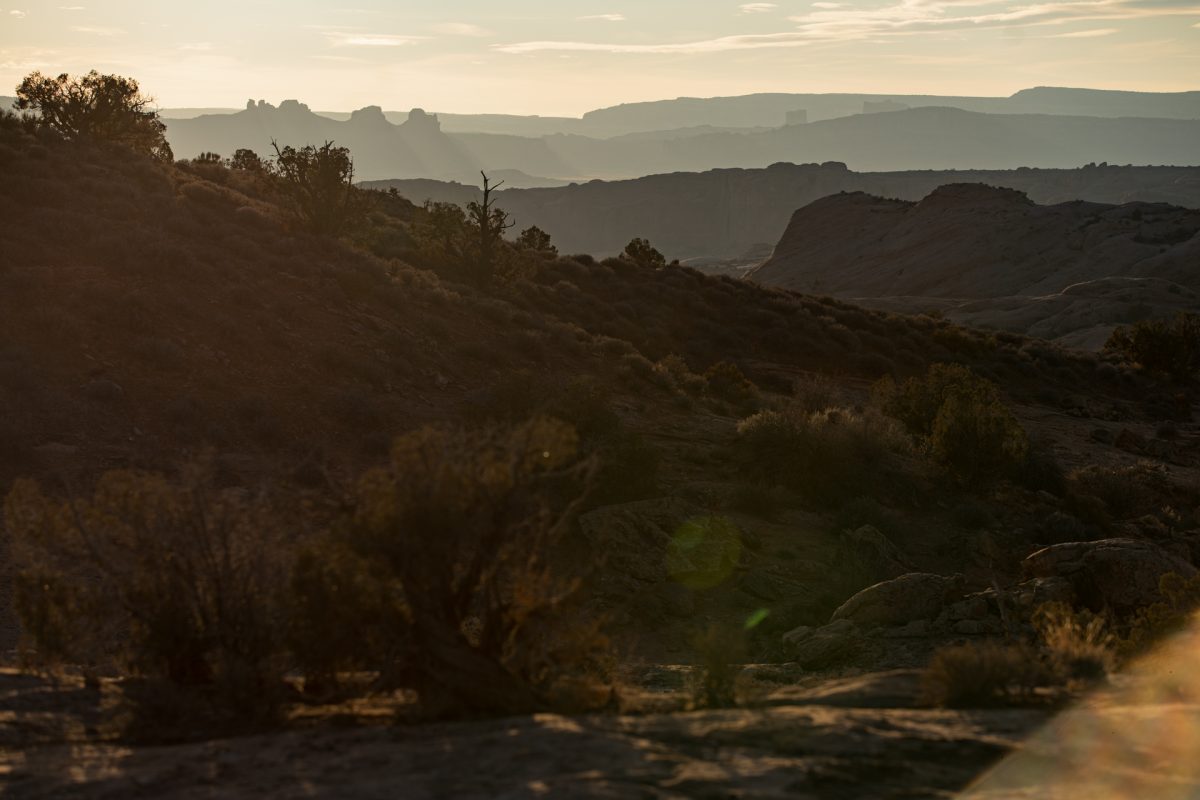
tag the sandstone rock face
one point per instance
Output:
(915, 596)
(633, 537)
(1121, 574)
(1066, 272)
(865, 557)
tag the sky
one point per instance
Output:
(570, 56)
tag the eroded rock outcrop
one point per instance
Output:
(1119, 574)
(915, 596)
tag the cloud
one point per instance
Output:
(1085, 34)
(16, 13)
(606, 17)
(96, 30)
(341, 39)
(838, 23)
(722, 44)
(461, 29)
(756, 8)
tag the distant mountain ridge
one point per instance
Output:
(726, 212)
(918, 138)
(770, 110)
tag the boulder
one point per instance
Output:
(827, 646)
(1119, 574)
(917, 595)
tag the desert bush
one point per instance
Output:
(721, 651)
(173, 580)
(96, 108)
(1126, 492)
(828, 457)
(1167, 347)
(961, 420)
(977, 439)
(680, 374)
(817, 393)
(726, 382)
(645, 255)
(981, 674)
(1078, 644)
(319, 184)
(460, 530)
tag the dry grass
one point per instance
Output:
(982, 674)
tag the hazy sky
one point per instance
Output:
(565, 57)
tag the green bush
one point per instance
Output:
(726, 382)
(977, 439)
(961, 419)
(827, 457)
(1167, 347)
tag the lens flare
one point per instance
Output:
(1137, 739)
(703, 552)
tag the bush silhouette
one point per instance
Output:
(169, 579)
(961, 419)
(460, 528)
(534, 238)
(642, 253)
(97, 108)
(1170, 348)
(319, 183)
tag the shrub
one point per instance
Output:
(1170, 348)
(960, 416)
(97, 108)
(816, 393)
(981, 674)
(977, 439)
(644, 254)
(721, 651)
(172, 580)
(674, 368)
(1126, 492)
(828, 457)
(319, 183)
(726, 382)
(1079, 645)
(462, 526)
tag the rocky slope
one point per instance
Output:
(992, 257)
(722, 214)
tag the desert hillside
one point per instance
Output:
(281, 499)
(992, 257)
